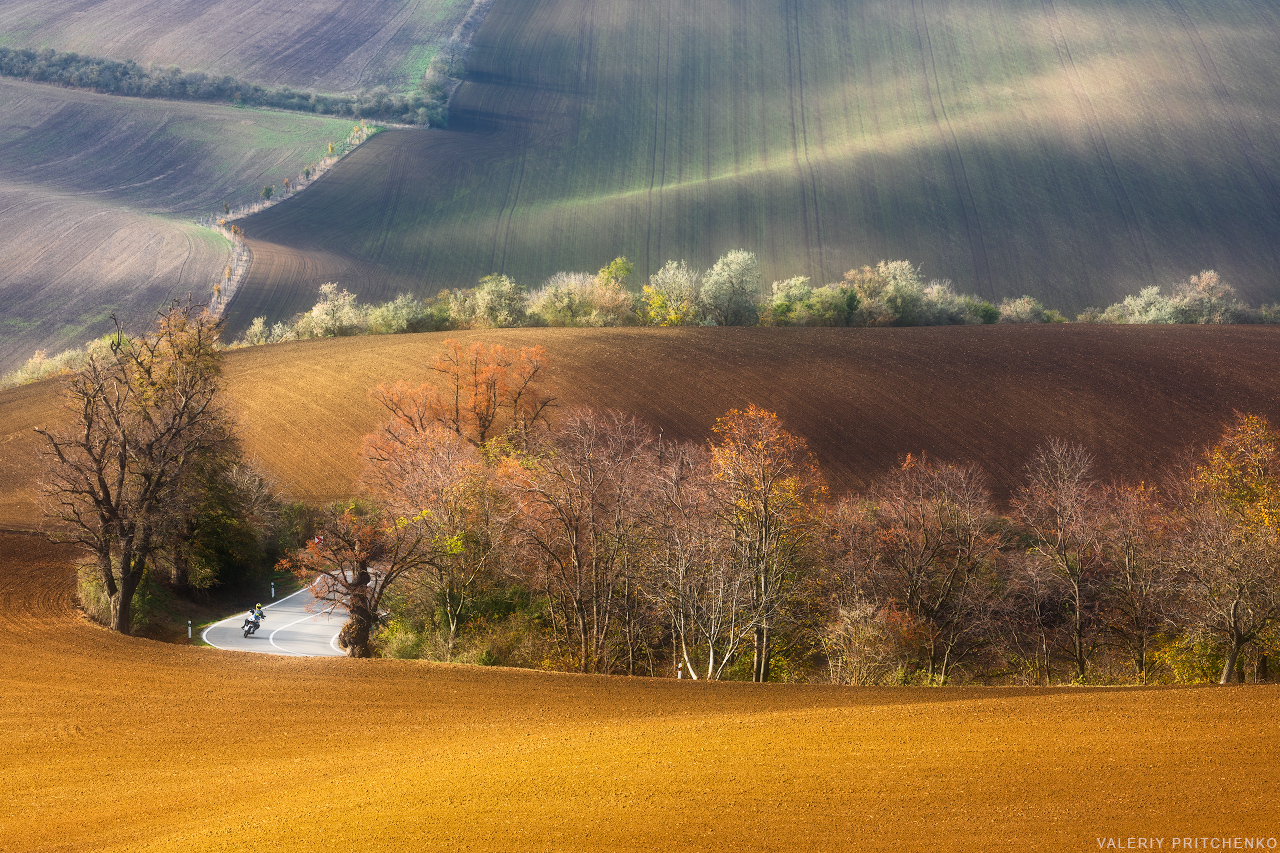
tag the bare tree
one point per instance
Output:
(1140, 588)
(581, 508)
(690, 571)
(929, 540)
(1037, 606)
(140, 416)
(1059, 506)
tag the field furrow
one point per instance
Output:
(99, 196)
(1248, 153)
(1070, 150)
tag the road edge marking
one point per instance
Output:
(204, 635)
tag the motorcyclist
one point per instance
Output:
(255, 617)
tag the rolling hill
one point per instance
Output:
(99, 194)
(1072, 150)
(320, 45)
(115, 744)
(1139, 398)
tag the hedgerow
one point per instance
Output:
(892, 293)
(425, 105)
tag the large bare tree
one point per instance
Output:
(690, 573)
(137, 418)
(1060, 507)
(581, 507)
(1140, 590)
(927, 547)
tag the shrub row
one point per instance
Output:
(892, 293)
(425, 106)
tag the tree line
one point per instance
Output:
(731, 293)
(492, 528)
(426, 105)
(892, 293)
(489, 531)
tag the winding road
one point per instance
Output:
(296, 625)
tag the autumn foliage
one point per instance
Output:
(495, 534)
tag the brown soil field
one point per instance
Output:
(115, 744)
(96, 197)
(1139, 397)
(318, 45)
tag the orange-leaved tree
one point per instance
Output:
(439, 482)
(771, 490)
(358, 553)
(484, 392)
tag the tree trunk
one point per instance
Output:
(122, 601)
(354, 636)
(1263, 672)
(760, 663)
(181, 565)
(1229, 667)
(105, 573)
(581, 614)
(1078, 633)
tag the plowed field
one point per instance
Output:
(116, 744)
(318, 45)
(1138, 397)
(1072, 150)
(94, 191)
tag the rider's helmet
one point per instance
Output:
(257, 607)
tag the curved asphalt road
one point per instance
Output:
(288, 628)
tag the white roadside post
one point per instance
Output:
(188, 629)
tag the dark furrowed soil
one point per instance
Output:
(1139, 398)
(1075, 152)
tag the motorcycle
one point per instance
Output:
(251, 626)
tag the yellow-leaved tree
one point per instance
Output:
(1230, 548)
(771, 488)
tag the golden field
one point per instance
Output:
(114, 743)
(122, 744)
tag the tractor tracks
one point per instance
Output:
(1234, 118)
(951, 145)
(809, 207)
(1096, 138)
(658, 150)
